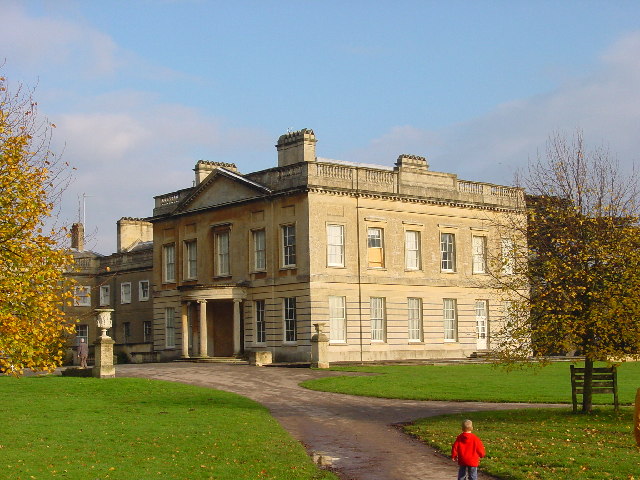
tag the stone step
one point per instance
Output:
(225, 360)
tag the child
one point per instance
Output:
(467, 450)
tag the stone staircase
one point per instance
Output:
(220, 360)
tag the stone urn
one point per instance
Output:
(103, 320)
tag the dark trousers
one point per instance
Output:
(468, 473)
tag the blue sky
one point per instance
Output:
(141, 90)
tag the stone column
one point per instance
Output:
(203, 328)
(103, 366)
(319, 344)
(236, 326)
(185, 330)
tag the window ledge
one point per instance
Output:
(337, 342)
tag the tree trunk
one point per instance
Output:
(588, 386)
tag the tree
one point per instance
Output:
(33, 330)
(576, 278)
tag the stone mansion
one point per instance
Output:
(393, 260)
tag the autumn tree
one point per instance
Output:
(573, 282)
(33, 330)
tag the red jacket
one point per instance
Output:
(468, 450)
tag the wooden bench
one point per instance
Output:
(604, 380)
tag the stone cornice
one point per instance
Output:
(411, 199)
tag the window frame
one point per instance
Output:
(379, 249)
(169, 327)
(507, 256)
(126, 332)
(259, 253)
(147, 331)
(191, 259)
(450, 305)
(169, 263)
(415, 317)
(447, 252)
(290, 320)
(485, 310)
(479, 256)
(222, 252)
(288, 245)
(337, 319)
(123, 298)
(105, 298)
(335, 251)
(141, 291)
(85, 328)
(415, 250)
(378, 323)
(259, 311)
(81, 296)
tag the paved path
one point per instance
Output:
(358, 432)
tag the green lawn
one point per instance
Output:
(85, 428)
(545, 444)
(472, 382)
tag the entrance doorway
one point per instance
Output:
(481, 324)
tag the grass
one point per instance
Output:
(544, 444)
(85, 428)
(472, 382)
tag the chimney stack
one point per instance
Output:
(77, 237)
(296, 147)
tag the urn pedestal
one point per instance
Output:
(104, 367)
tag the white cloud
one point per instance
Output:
(605, 104)
(36, 43)
(135, 148)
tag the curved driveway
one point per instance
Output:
(358, 432)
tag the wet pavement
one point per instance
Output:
(361, 434)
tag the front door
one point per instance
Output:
(220, 314)
(481, 324)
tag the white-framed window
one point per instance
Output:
(450, 317)
(414, 314)
(290, 320)
(222, 263)
(191, 259)
(143, 290)
(335, 245)
(412, 250)
(261, 326)
(81, 296)
(125, 292)
(259, 250)
(169, 263)
(105, 295)
(375, 247)
(337, 319)
(479, 254)
(482, 315)
(447, 252)
(147, 330)
(82, 331)
(288, 245)
(508, 256)
(126, 332)
(170, 327)
(378, 319)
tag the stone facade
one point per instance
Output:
(392, 260)
(121, 281)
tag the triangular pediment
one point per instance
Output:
(221, 187)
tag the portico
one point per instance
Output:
(211, 319)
